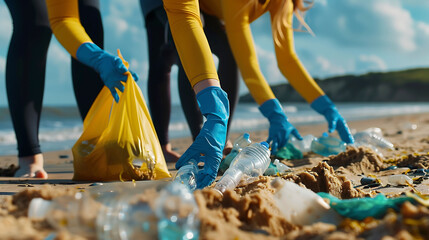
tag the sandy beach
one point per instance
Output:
(411, 150)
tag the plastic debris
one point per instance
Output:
(187, 175)
(238, 145)
(367, 180)
(361, 208)
(399, 180)
(327, 145)
(252, 161)
(303, 145)
(302, 206)
(289, 152)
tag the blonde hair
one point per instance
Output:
(281, 21)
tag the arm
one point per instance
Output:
(237, 25)
(194, 51)
(301, 80)
(65, 24)
(289, 64)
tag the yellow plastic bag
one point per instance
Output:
(119, 141)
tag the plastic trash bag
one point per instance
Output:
(119, 141)
(361, 208)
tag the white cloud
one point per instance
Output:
(400, 20)
(370, 24)
(366, 63)
(327, 68)
(117, 25)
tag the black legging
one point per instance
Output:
(26, 64)
(162, 56)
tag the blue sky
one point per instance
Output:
(352, 37)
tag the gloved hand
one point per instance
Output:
(326, 107)
(111, 69)
(210, 141)
(280, 128)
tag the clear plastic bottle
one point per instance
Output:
(187, 175)
(239, 143)
(177, 212)
(327, 145)
(252, 161)
(303, 145)
(399, 180)
(123, 213)
(371, 139)
(302, 206)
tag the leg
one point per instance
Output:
(25, 80)
(162, 56)
(86, 82)
(189, 103)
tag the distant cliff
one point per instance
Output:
(401, 86)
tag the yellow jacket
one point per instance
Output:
(237, 15)
(65, 24)
(191, 42)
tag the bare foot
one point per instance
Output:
(228, 147)
(31, 167)
(169, 155)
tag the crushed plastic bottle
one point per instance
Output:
(327, 145)
(399, 180)
(124, 213)
(177, 212)
(239, 143)
(252, 161)
(373, 139)
(303, 145)
(302, 206)
(187, 175)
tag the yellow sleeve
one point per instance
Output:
(191, 42)
(237, 24)
(65, 24)
(290, 65)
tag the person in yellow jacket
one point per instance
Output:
(237, 15)
(187, 31)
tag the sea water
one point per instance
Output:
(61, 126)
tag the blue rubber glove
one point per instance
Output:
(111, 68)
(326, 107)
(280, 128)
(210, 142)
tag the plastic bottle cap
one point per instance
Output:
(246, 136)
(265, 144)
(325, 134)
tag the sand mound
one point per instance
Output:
(322, 178)
(249, 212)
(13, 214)
(357, 160)
(416, 161)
